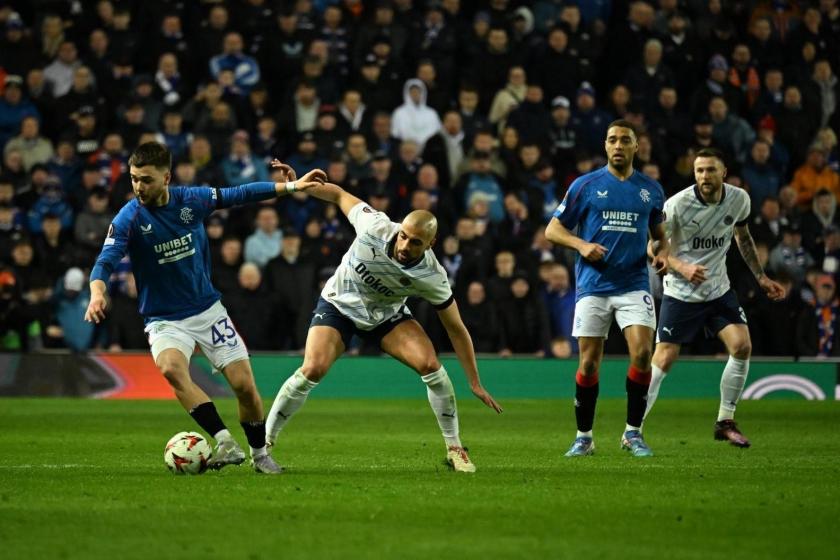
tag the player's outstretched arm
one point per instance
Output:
(462, 343)
(746, 245)
(557, 233)
(661, 248)
(98, 302)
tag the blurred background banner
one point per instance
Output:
(134, 376)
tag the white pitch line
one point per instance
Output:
(66, 466)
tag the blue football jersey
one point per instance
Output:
(616, 214)
(168, 248)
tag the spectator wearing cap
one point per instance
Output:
(13, 108)
(557, 69)
(414, 120)
(818, 330)
(761, 177)
(814, 175)
(240, 166)
(590, 121)
(730, 132)
(817, 220)
(716, 85)
(445, 150)
(562, 135)
(86, 137)
(53, 201)
(34, 147)
(59, 74)
(377, 91)
(796, 125)
(306, 157)
(67, 326)
(245, 68)
(790, 256)
(17, 52)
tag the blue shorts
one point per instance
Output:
(327, 315)
(679, 321)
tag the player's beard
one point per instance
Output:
(622, 165)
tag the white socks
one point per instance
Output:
(442, 398)
(222, 436)
(656, 378)
(290, 398)
(731, 386)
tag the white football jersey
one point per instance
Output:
(701, 233)
(369, 286)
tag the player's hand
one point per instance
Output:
(694, 273)
(485, 397)
(660, 265)
(592, 251)
(774, 290)
(286, 172)
(314, 178)
(96, 308)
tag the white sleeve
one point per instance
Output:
(745, 210)
(364, 218)
(669, 210)
(435, 288)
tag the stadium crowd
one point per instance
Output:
(481, 112)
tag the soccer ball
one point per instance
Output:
(187, 453)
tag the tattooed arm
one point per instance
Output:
(746, 245)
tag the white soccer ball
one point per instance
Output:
(187, 453)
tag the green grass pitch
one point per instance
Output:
(365, 479)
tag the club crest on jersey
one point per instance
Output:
(728, 220)
(186, 215)
(645, 194)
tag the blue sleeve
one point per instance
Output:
(212, 198)
(571, 209)
(113, 249)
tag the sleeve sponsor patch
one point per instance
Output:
(109, 237)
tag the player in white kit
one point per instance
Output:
(386, 263)
(700, 222)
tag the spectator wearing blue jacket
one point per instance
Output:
(760, 175)
(558, 296)
(241, 166)
(70, 300)
(480, 182)
(245, 69)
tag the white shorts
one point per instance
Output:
(594, 314)
(211, 329)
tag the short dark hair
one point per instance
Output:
(151, 153)
(712, 153)
(624, 124)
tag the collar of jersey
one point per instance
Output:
(700, 197)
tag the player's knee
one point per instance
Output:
(588, 367)
(428, 366)
(641, 358)
(315, 370)
(174, 374)
(742, 350)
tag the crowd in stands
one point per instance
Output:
(481, 111)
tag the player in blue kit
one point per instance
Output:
(162, 230)
(613, 208)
